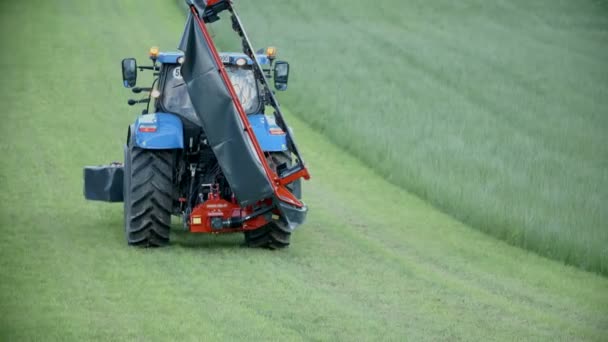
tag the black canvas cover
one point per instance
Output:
(220, 119)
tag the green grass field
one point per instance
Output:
(374, 262)
(494, 111)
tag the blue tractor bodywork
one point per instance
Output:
(158, 131)
(226, 57)
(270, 136)
(169, 57)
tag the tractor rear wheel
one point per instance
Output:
(274, 235)
(148, 200)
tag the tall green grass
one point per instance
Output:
(496, 112)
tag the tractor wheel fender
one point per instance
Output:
(129, 130)
(158, 131)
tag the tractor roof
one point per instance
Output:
(227, 57)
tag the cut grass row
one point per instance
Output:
(495, 112)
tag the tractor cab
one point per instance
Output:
(173, 94)
(170, 94)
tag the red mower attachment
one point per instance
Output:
(209, 9)
(216, 215)
(227, 125)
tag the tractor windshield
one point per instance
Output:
(245, 86)
(175, 97)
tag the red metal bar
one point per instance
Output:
(300, 174)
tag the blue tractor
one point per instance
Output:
(211, 147)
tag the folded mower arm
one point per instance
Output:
(229, 132)
(209, 9)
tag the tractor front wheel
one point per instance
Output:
(148, 189)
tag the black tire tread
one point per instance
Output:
(274, 235)
(150, 199)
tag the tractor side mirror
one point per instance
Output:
(281, 75)
(129, 72)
